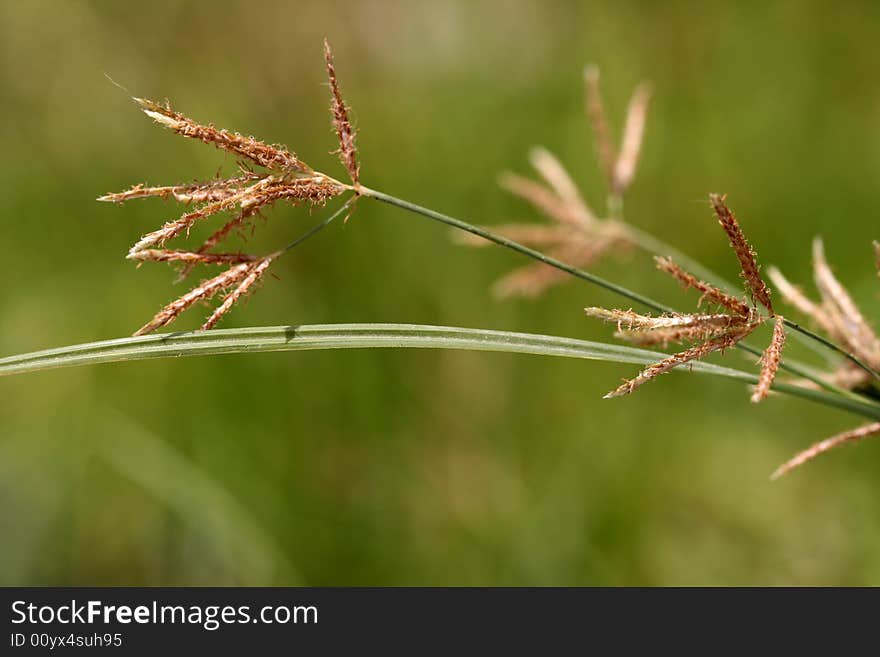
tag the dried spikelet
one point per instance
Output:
(254, 274)
(201, 192)
(174, 228)
(842, 310)
(189, 257)
(273, 157)
(823, 446)
(543, 199)
(627, 319)
(204, 291)
(663, 337)
(599, 123)
(710, 292)
(770, 361)
(631, 145)
(694, 353)
(341, 123)
(744, 252)
(557, 177)
(647, 330)
(315, 190)
(236, 223)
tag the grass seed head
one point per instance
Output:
(253, 275)
(823, 446)
(709, 292)
(631, 144)
(770, 360)
(743, 250)
(341, 123)
(269, 156)
(204, 291)
(605, 150)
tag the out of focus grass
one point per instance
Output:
(418, 467)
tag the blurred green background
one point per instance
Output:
(416, 467)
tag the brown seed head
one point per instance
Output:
(273, 157)
(254, 274)
(599, 123)
(189, 257)
(710, 292)
(744, 252)
(694, 353)
(543, 199)
(770, 361)
(214, 190)
(844, 315)
(246, 197)
(823, 446)
(341, 123)
(557, 178)
(205, 290)
(631, 145)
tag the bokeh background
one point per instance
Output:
(418, 467)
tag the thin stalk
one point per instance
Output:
(319, 227)
(514, 246)
(586, 276)
(361, 336)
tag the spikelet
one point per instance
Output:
(341, 123)
(190, 257)
(837, 315)
(823, 446)
(710, 292)
(214, 190)
(844, 314)
(627, 319)
(694, 353)
(274, 157)
(663, 337)
(647, 330)
(204, 291)
(770, 361)
(631, 145)
(543, 199)
(599, 123)
(254, 274)
(555, 175)
(743, 250)
(174, 228)
(711, 332)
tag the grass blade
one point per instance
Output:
(361, 336)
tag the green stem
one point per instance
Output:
(578, 273)
(514, 246)
(319, 227)
(360, 336)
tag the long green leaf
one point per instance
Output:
(359, 336)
